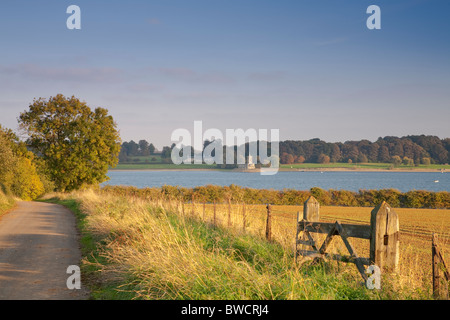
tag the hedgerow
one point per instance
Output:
(237, 194)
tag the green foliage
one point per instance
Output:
(27, 185)
(426, 161)
(18, 172)
(7, 159)
(343, 198)
(396, 160)
(77, 144)
(410, 150)
(321, 195)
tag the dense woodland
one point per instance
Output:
(409, 150)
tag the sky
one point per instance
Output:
(311, 69)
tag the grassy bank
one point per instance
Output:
(7, 202)
(364, 166)
(143, 249)
(163, 166)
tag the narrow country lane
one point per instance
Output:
(38, 241)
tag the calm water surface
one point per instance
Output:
(353, 181)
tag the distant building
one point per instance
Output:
(247, 166)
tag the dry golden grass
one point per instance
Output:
(7, 202)
(416, 229)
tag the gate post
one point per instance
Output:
(311, 213)
(311, 210)
(384, 241)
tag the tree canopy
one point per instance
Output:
(76, 143)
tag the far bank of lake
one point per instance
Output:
(364, 167)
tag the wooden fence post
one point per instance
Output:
(384, 241)
(269, 223)
(439, 291)
(311, 213)
(311, 210)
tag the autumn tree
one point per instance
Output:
(396, 160)
(18, 172)
(323, 158)
(77, 144)
(300, 159)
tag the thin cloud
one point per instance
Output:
(33, 72)
(177, 72)
(192, 76)
(144, 87)
(267, 76)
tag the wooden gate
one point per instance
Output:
(383, 233)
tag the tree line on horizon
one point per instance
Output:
(409, 150)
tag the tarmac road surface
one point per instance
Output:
(38, 242)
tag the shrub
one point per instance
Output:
(18, 173)
(321, 195)
(391, 196)
(27, 184)
(343, 198)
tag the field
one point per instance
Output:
(137, 248)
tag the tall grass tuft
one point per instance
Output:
(7, 202)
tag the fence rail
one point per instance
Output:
(353, 230)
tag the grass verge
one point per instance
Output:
(7, 203)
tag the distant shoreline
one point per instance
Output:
(288, 170)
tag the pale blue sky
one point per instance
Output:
(309, 68)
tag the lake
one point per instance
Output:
(345, 180)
